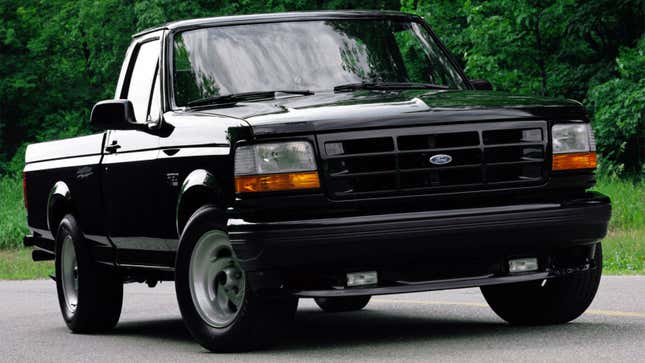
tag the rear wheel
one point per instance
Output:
(554, 301)
(90, 296)
(340, 304)
(217, 302)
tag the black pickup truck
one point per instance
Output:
(259, 159)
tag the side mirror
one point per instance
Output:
(481, 85)
(114, 115)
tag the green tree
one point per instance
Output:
(448, 19)
(53, 71)
(619, 114)
(513, 42)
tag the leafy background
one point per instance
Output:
(58, 57)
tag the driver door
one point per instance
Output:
(131, 175)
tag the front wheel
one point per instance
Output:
(554, 301)
(216, 299)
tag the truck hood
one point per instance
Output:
(381, 109)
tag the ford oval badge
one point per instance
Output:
(440, 159)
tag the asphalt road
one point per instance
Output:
(437, 326)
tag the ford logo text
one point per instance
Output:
(440, 159)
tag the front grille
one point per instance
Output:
(397, 161)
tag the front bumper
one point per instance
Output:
(457, 243)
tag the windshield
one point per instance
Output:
(307, 55)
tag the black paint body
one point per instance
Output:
(133, 200)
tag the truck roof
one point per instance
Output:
(275, 17)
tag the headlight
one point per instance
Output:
(574, 147)
(573, 138)
(274, 167)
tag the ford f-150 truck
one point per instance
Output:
(258, 159)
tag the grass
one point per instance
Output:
(628, 203)
(624, 252)
(16, 264)
(13, 219)
(624, 247)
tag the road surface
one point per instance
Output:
(436, 326)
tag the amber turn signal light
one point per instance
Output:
(276, 182)
(586, 160)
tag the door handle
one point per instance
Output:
(112, 148)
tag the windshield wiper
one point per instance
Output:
(386, 86)
(234, 98)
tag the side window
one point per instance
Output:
(155, 99)
(142, 79)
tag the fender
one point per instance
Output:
(198, 189)
(59, 193)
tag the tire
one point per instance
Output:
(559, 301)
(217, 302)
(341, 304)
(90, 295)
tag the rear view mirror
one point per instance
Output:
(114, 115)
(481, 85)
